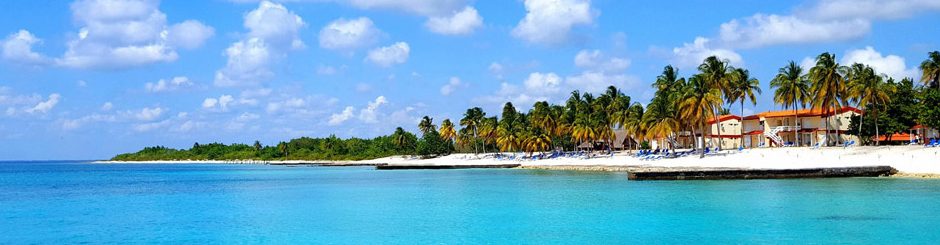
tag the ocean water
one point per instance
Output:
(75, 202)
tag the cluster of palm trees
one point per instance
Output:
(680, 106)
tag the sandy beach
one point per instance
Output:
(910, 161)
(914, 161)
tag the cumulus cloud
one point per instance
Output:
(597, 60)
(891, 65)
(692, 54)
(460, 23)
(222, 103)
(45, 106)
(247, 64)
(542, 83)
(189, 34)
(550, 21)
(106, 106)
(596, 81)
(390, 55)
(275, 24)
(764, 30)
(452, 85)
(288, 104)
(164, 85)
(368, 114)
(149, 114)
(272, 30)
(18, 48)
(343, 34)
(337, 119)
(870, 9)
(129, 33)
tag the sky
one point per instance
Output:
(88, 79)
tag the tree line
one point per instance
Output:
(679, 104)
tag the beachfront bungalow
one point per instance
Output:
(726, 129)
(780, 128)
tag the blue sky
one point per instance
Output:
(88, 79)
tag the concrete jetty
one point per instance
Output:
(716, 174)
(443, 166)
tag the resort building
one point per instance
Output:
(798, 128)
(725, 130)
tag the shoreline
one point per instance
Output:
(910, 161)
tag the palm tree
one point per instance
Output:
(698, 103)
(488, 131)
(868, 91)
(509, 128)
(538, 141)
(427, 125)
(744, 87)
(931, 70)
(792, 89)
(471, 120)
(828, 87)
(661, 118)
(447, 131)
(717, 74)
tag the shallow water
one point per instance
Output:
(70, 202)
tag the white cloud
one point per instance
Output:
(870, 9)
(272, 30)
(164, 86)
(337, 119)
(891, 65)
(420, 7)
(539, 83)
(286, 104)
(247, 116)
(129, 33)
(275, 24)
(107, 106)
(45, 106)
(81, 83)
(692, 54)
(247, 64)
(550, 21)
(343, 34)
(222, 103)
(596, 81)
(70, 124)
(368, 114)
(596, 60)
(189, 34)
(495, 68)
(149, 114)
(807, 63)
(764, 30)
(460, 23)
(452, 85)
(18, 48)
(387, 56)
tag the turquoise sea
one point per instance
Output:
(76, 202)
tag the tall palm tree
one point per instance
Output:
(792, 90)
(717, 73)
(427, 125)
(509, 128)
(661, 118)
(828, 87)
(743, 87)
(931, 70)
(471, 120)
(698, 104)
(488, 131)
(447, 131)
(868, 91)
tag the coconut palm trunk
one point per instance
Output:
(702, 139)
(877, 140)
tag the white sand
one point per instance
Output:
(906, 159)
(909, 160)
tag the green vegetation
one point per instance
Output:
(586, 121)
